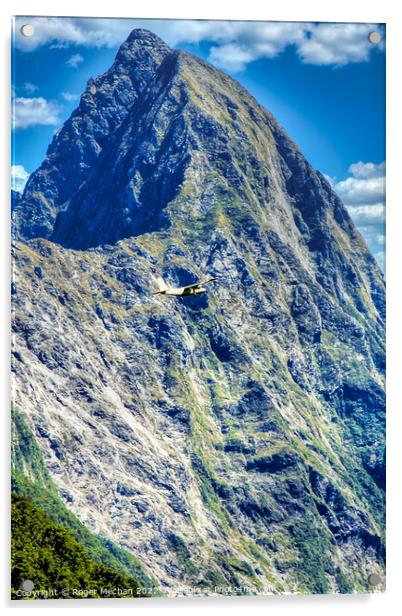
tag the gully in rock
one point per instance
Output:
(234, 439)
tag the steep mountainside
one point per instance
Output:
(229, 439)
(37, 540)
(77, 145)
(30, 480)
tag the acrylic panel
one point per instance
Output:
(198, 291)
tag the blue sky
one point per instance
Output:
(325, 83)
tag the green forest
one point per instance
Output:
(50, 546)
(49, 556)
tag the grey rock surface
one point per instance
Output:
(231, 439)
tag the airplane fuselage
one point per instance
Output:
(183, 291)
(196, 288)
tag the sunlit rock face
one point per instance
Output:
(236, 438)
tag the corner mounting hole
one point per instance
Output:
(374, 579)
(27, 30)
(374, 38)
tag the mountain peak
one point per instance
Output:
(230, 439)
(76, 147)
(145, 36)
(139, 44)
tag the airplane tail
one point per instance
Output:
(162, 286)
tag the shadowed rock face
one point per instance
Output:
(76, 147)
(236, 438)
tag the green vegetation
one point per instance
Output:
(241, 565)
(290, 431)
(183, 554)
(49, 556)
(241, 433)
(344, 582)
(30, 480)
(314, 562)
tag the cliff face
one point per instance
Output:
(76, 147)
(230, 439)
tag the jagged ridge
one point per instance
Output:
(76, 146)
(238, 439)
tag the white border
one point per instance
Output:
(307, 10)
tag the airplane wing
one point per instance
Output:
(208, 280)
(195, 285)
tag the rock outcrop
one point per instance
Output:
(234, 439)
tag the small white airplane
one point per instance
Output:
(196, 288)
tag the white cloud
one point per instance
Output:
(235, 43)
(363, 193)
(30, 88)
(373, 214)
(364, 188)
(19, 177)
(358, 190)
(34, 111)
(253, 41)
(367, 170)
(75, 60)
(336, 44)
(374, 234)
(69, 96)
(59, 46)
(231, 56)
(61, 32)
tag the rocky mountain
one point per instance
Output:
(15, 198)
(230, 440)
(77, 145)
